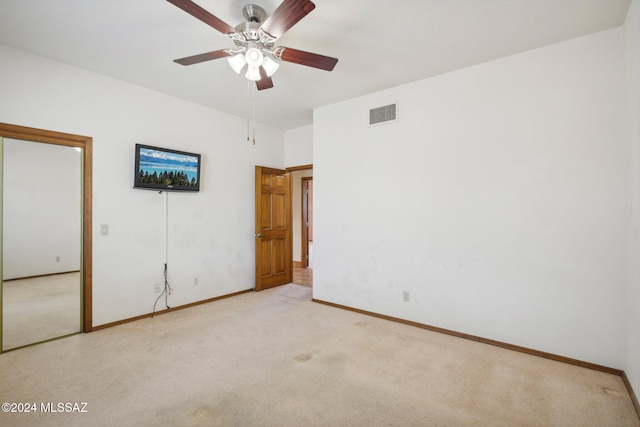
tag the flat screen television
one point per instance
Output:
(164, 169)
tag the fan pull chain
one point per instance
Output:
(251, 124)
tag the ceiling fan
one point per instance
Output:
(255, 40)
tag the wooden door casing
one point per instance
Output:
(307, 218)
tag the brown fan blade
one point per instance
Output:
(195, 59)
(265, 81)
(194, 10)
(288, 14)
(307, 58)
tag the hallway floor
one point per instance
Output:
(303, 276)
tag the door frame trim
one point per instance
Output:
(304, 241)
(289, 170)
(86, 143)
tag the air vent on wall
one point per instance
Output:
(388, 113)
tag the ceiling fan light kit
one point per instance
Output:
(255, 40)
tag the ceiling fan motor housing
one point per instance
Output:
(250, 31)
(254, 13)
(250, 34)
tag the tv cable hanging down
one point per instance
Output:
(166, 290)
(164, 170)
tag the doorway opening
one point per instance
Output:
(302, 222)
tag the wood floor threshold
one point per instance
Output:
(501, 344)
(168, 310)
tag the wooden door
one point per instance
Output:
(273, 228)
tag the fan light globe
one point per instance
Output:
(237, 62)
(270, 66)
(254, 57)
(253, 73)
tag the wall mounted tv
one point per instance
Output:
(166, 170)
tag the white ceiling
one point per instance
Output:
(379, 43)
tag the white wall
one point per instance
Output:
(298, 152)
(498, 201)
(210, 233)
(632, 38)
(299, 146)
(42, 203)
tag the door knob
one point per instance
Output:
(258, 235)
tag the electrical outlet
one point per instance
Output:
(156, 288)
(195, 282)
(405, 296)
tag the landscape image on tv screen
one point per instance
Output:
(161, 168)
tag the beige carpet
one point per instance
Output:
(275, 358)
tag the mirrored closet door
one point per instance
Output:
(43, 267)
